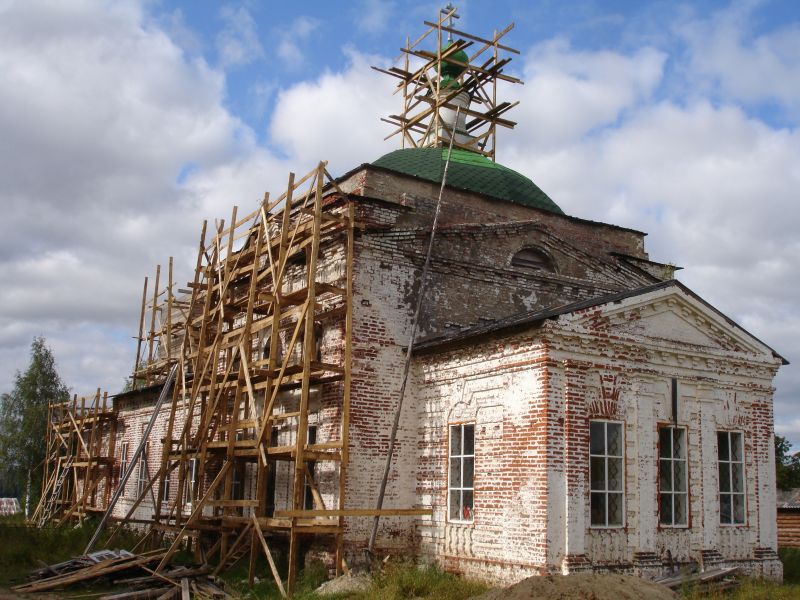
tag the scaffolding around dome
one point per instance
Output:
(458, 76)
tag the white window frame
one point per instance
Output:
(123, 461)
(237, 483)
(605, 456)
(308, 494)
(143, 479)
(165, 494)
(672, 460)
(190, 483)
(462, 459)
(729, 464)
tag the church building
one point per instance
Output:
(565, 404)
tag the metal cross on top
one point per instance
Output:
(451, 10)
(452, 88)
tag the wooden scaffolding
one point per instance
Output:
(162, 322)
(79, 468)
(266, 333)
(461, 74)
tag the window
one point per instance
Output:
(730, 450)
(308, 498)
(237, 489)
(534, 259)
(607, 471)
(462, 472)
(165, 495)
(190, 483)
(123, 460)
(673, 500)
(141, 484)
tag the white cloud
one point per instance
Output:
(568, 93)
(372, 16)
(100, 112)
(292, 39)
(764, 68)
(337, 116)
(237, 42)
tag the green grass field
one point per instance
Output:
(24, 548)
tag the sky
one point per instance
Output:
(124, 124)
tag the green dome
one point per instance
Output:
(450, 69)
(468, 171)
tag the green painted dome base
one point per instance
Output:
(468, 171)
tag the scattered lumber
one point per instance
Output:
(78, 562)
(717, 579)
(131, 573)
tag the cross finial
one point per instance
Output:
(451, 10)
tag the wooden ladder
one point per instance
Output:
(54, 494)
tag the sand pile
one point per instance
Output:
(582, 586)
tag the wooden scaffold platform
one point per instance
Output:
(79, 468)
(266, 334)
(460, 75)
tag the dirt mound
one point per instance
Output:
(343, 585)
(582, 586)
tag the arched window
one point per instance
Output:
(533, 259)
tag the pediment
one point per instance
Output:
(673, 315)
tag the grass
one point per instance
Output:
(398, 581)
(24, 548)
(749, 589)
(405, 580)
(790, 557)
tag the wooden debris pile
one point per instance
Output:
(131, 573)
(711, 580)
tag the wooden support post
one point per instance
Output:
(268, 554)
(151, 336)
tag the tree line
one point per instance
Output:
(23, 424)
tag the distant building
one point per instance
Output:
(9, 506)
(789, 518)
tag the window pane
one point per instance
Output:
(679, 467)
(615, 474)
(724, 477)
(455, 440)
(469, 470)
(737, 477)
(615, 509)
(664, 442)
(455, 505)
(455, 472)
(736, 446)
(679, 500)
(598, 469)
(614, 439)
(598, 508)
(469, 439)
(678, 443)
(597, 437)
(725, 508)
(466, 511)
(665, 509)
(665, 475)
(722, 445)
(738, 508)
